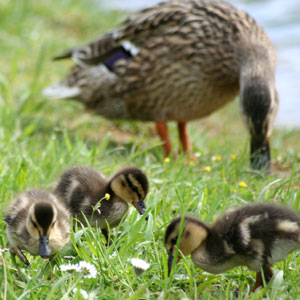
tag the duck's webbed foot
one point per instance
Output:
(268, 273)
(17, 251)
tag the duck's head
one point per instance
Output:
(259, 104)
(131, 185)
(192, 234)
(40, 222)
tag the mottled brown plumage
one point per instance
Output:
(179, 61)
(255, 236)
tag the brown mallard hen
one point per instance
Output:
(255, 236)
(179, 61)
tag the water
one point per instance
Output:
(281, 21)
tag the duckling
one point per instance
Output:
(255, 236)
(37, 222)
(179, 61)
(83, 189)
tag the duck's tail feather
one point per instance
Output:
(61, 91)
(64, 55)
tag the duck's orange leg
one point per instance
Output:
(162, 130)
(183, 136)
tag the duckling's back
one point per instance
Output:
(80, 188)
(265, 231)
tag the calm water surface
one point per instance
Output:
(281, 20)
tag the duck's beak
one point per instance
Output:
(140, 206)
(260, 154)
(170, 262)
(44, 249)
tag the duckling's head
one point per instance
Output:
(40, 222)
(131, 185)
(193, 234)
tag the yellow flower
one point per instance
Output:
(233, 156)
(234, 190)
(207, 169)
(191, 163)
(243, 184)
(107, 196)
(167, 160)
(216, 157)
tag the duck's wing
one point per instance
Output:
(126, 40)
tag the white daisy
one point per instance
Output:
(69, 267)
(139, 265)
(88, 269)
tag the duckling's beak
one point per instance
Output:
(140, 206)
(170, 262)
(44, 249)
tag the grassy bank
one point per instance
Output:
(40, 138)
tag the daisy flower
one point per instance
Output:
(139, 265)
(89, 270)
(69, 267)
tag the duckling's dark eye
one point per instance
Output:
(123, 183)
(174, 240)
(135, 189)
(34, 224)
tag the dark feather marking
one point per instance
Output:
(44, 214)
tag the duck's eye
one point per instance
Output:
(34, 224)
(135, 189)
(123, 183)
(174, 240)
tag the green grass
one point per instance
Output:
(39, 139)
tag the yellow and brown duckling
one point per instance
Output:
(84, 190)
(179, 61)
(37, 222)
(255, 236)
